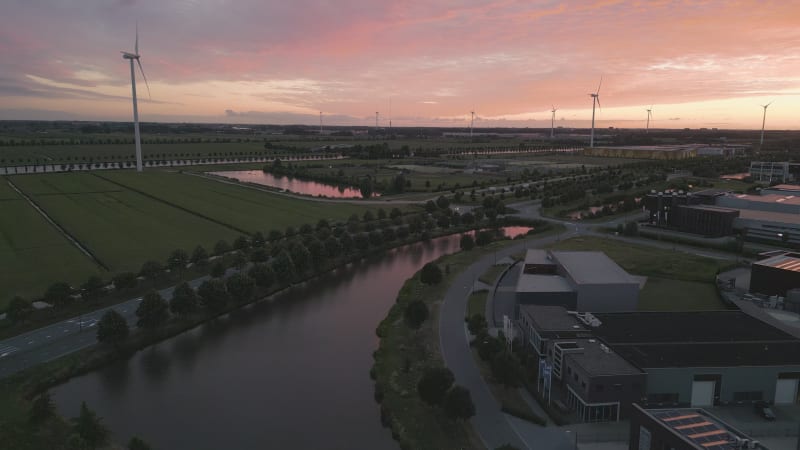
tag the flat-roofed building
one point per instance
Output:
(684, 429)
(775, 275)
(582, 281)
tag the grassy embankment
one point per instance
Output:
(676, 280)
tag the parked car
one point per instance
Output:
(763, 410)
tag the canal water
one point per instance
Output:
(304, 187)
(293, 373)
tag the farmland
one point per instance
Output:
(128, 219)
(32, 252)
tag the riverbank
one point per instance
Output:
(404, 354)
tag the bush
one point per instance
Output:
(415, 314)
(434, 384)
(458, 404)
(430, 274)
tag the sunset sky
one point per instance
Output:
(420, 62)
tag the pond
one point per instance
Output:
(312, 188)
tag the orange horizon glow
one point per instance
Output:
(698, 63)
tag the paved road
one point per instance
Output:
(62, 338)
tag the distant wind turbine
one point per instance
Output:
(763, 122)
(320, 123)
(649, 114)
(553, 122)
(471, 123)
(135, 56)
(376, 121)
(595, 102)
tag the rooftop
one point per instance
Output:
(542, 283)
(551, 318)
(711, 192)
(537, 256)
(786, 261)
(769, 216)
(684, 327)
(599, 361)
(770, 198)
(711, 208)
(785, 187)
(698, 427)
(592, 268)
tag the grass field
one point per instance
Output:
(122, 228)
(662, 294)
(650, 261)
(491, 274)
(477, 303)
(32, 252)
(239, 206)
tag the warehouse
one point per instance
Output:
(775, 275)
(581, 281)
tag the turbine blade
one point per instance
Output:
(145, 77)
(598, 86)
(136, 47)
(598, 102)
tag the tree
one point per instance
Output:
(476, 324)
(75, 442)
(90, 427)
(218, 269)
(184, 300)
(92, 288)
(300, 256)
(259, 255)
(283, 267)
(483, 238)
(137, 444)
(58, 294)
(262, 274)
(177, 261)
(442, 202)
(151, 270)
(631, 229)
(241, 243)
(467, 242)
(458, 403)
(240, 287)
(430, 274)
(333, 247)
(112, 328)
(434, 384)
(42, 409)
(153, 311)
(505, 369)
(199, 255)
(258, 240)
(19, 309)
(212, 294)
(124, 280)
(415, 313)
(221, 247)
(365, 186)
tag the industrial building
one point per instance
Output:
(775, 275)
(599, 364)
(581, 281)
(684, 429)
(769, 171)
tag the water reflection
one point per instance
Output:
(312, 188)
(290, 373)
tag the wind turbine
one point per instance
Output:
(320, 123)
(649, 114)
(471, 123)
(376, 121)
(553, 122)
(763, 122)
(595, 102)
(135, 56)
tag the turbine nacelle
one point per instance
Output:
(128, 55)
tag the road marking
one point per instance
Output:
(47, 337)
(6, 350)
(30, 342)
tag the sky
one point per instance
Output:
(417, 63)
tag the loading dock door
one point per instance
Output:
(786, 391)
(702, 393)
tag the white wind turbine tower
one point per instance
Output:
(763, 122)
(553, 122)
(595, 102)
(649, 114)
(135, 56)
(471, 123)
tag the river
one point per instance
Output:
(293, 373)
(295, 185)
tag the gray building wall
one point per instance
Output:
(608, 297)
(734, 379)
(568, 300)
(631, 387)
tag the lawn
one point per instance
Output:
(661, 294)
(477, 303)
(238, 206)
(491, 274)
(649, 261)
(33, 253)
(121, 227)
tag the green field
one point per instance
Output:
(650, 261)
(240, 207)
(122, 228)
(661, 294)
(32, 252)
